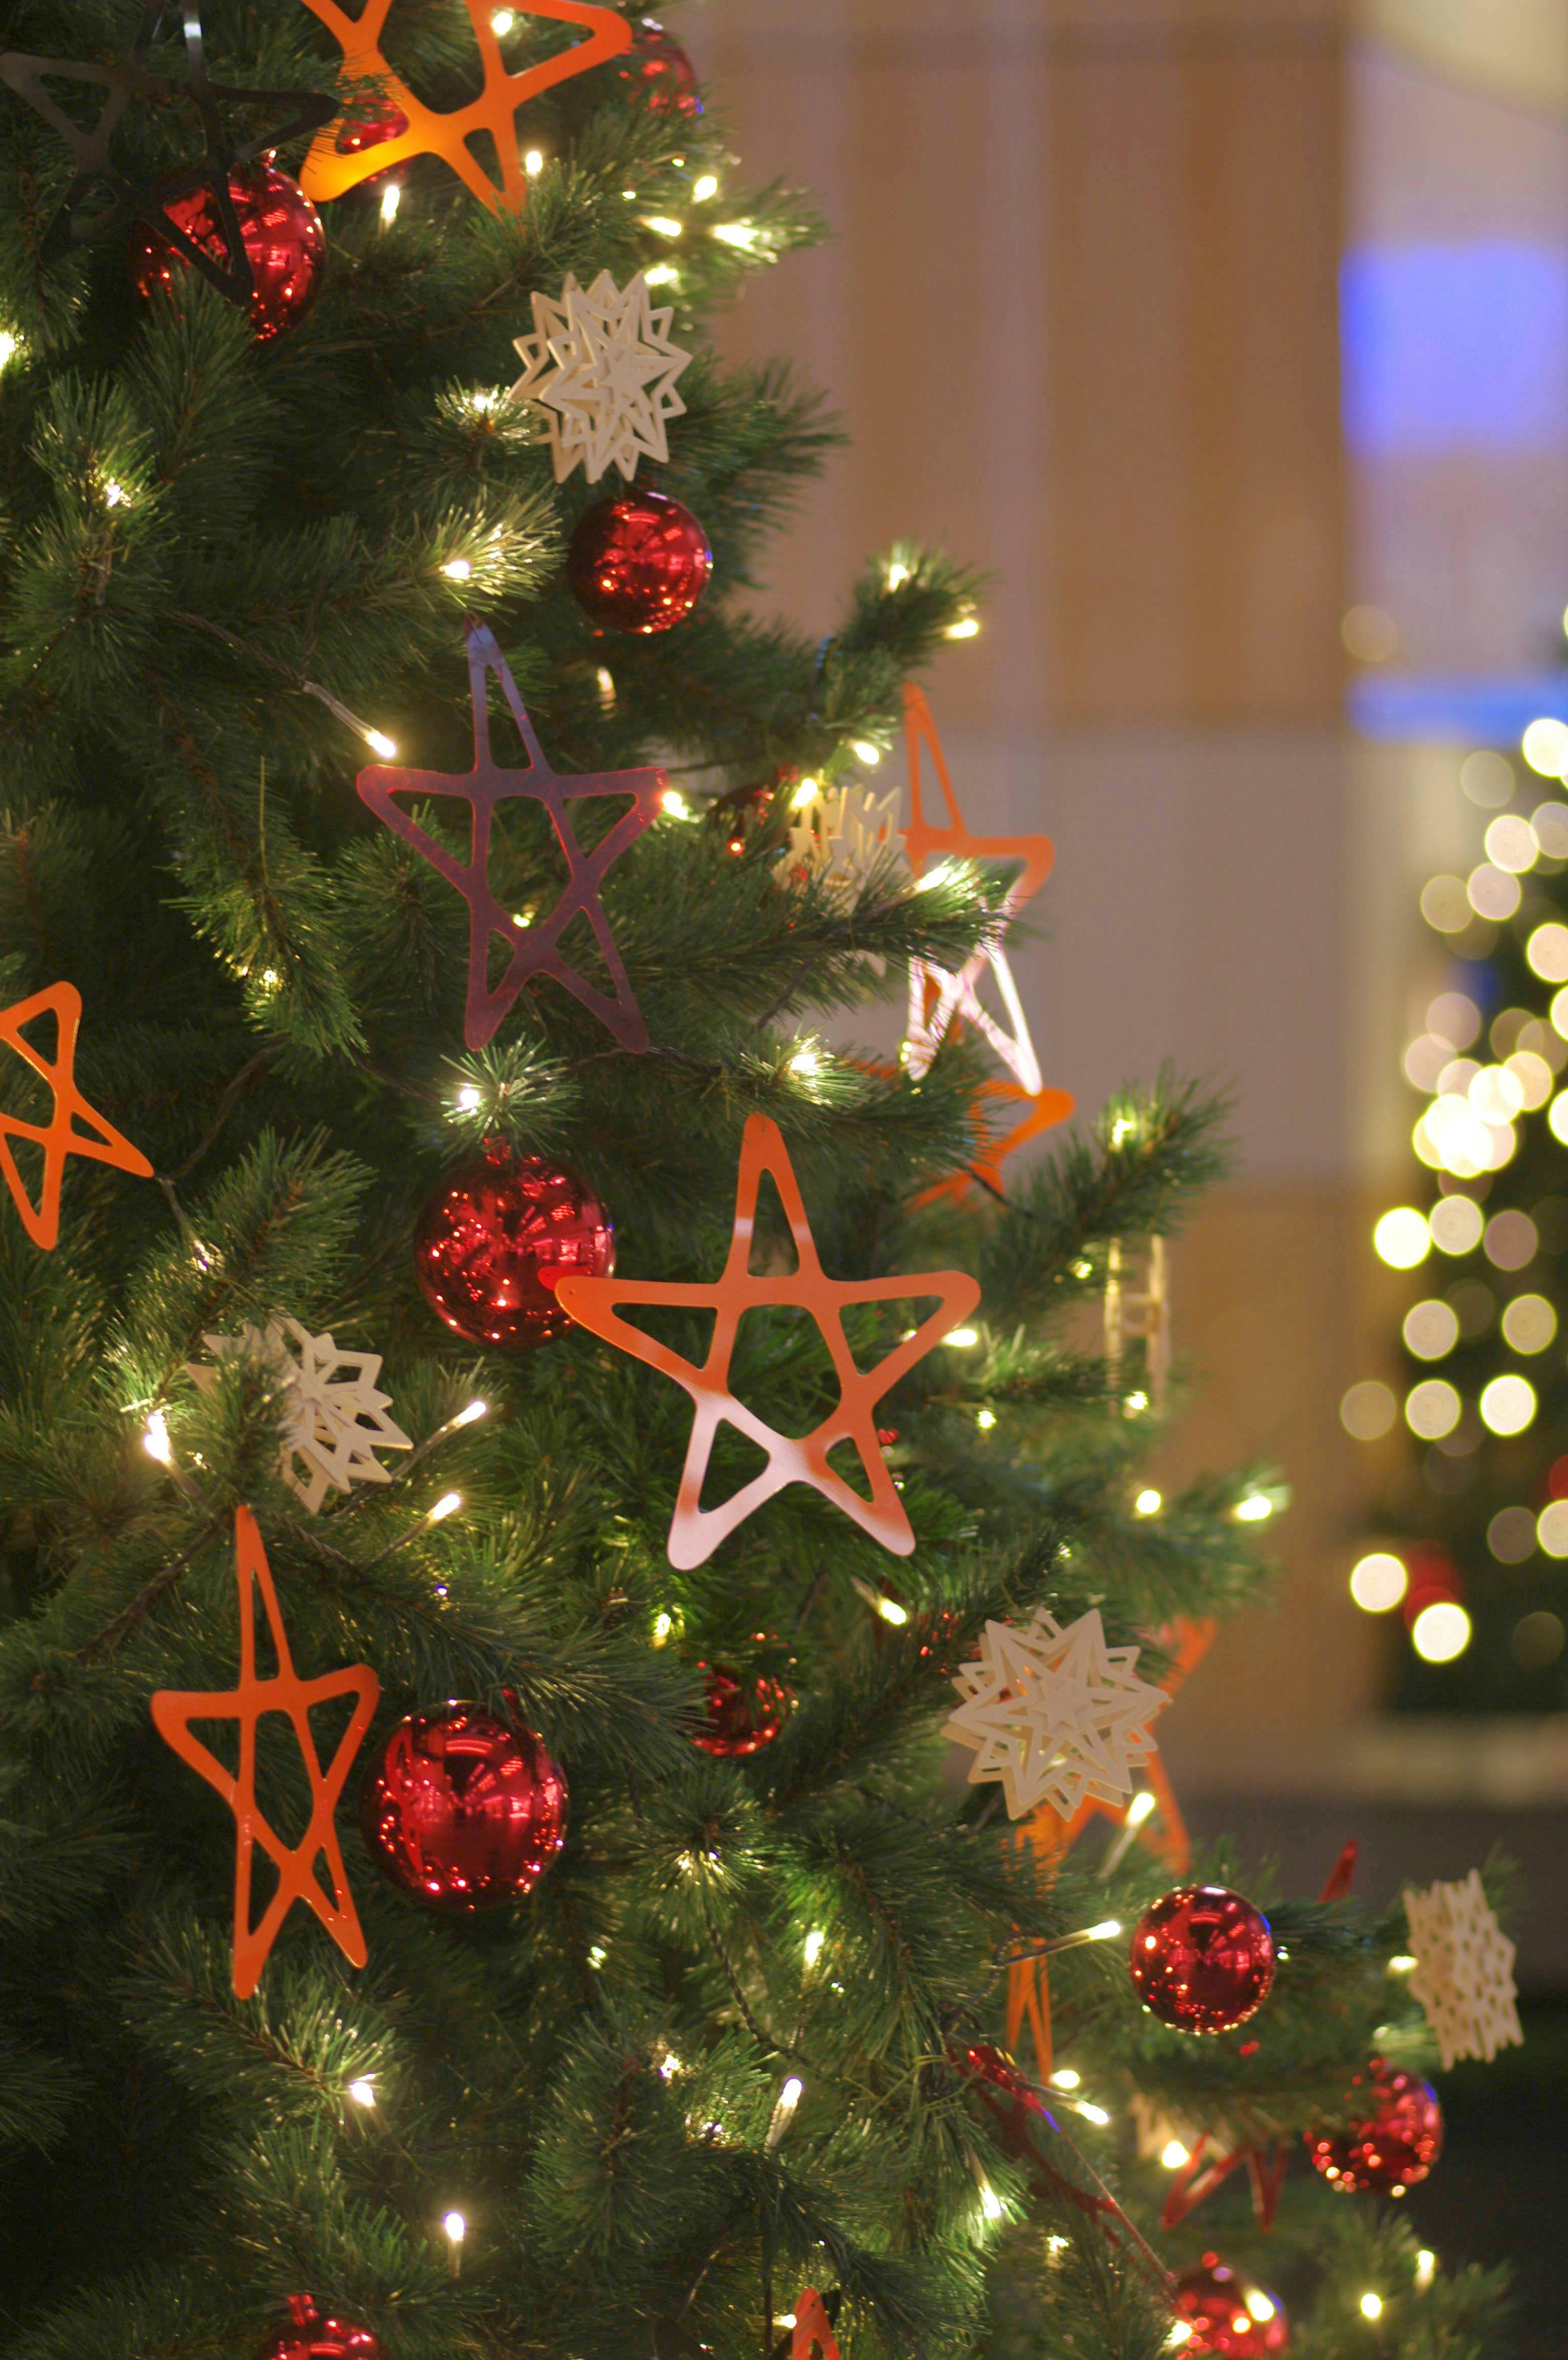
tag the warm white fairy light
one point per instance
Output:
(663, 274)
(10, 345)
(391, 197)
(115, 494)
(155, 1438)
(991, 2204)
(813, 1946)
(471, 1413)
(458, 569)
(888, 1608)
(663, 1626)
(1426, 2269)
(1173, 2155)
(1261, 2306)
(964, 1338)
(1090, 2113)
(740, 234)
(1402, 1965)
(379, 743)
(662, 225)
(985, 1420)
(1064, 2078)
(807, 792)
(864, 751)
(447, 1505)
(1147, 1503)
(705, 188)
(503, 21)
(363, 2092)
(968, 629)
(457, 2228)
(468, 1099)
(1372, 2306)
(789, 2097)
(533, 163)
(673, 802)
(1254, 1509)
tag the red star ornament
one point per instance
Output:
(936, 998)
(330, 173)
(173, 1711)
(695, 1533)
(536, 948)
(59, 1137)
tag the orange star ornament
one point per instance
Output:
(330, 172)
(695, 1533)
(59, 1137)
(173, 1711)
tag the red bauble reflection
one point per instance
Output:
(279, 229)
(659, 71)
(1393, 2147)
(639, 562)
(740, 1716)
(383, 121)
(313, 2337)
(1203, 1959)
(1229, 2313)
(496, 1238)
(464, 1812)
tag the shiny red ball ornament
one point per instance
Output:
(464, 1811)
(279, 229)
(740, 1716)
(1203, 1959)
(659, 71)
(385, 121)
(1393, 2147)
(312, 2336)
(498, 1234)
(1229, 2313)
(639, 562)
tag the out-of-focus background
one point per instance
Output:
(1233, 336)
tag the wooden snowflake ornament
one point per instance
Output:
(173, 1711)
(330, 171)
(334, 1420)
(1464, 1971)
(601, 366)
(1055, 1715)
(841, 838)
(696, 1532)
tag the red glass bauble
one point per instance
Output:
(496, 1238)
(279, 229)
(740, 1716)
(639, 562)
(312, 2336)
(1229, 2312)
(464, 1811)
(1392, 2147)
(385, 121)
(659, 71)
(1203, 1959)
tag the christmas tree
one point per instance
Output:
(532, 1470)
(1475, 1529)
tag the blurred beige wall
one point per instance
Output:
(1080, 320)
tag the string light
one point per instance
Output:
(740, 234)
(1090, 2113)
(1441, 1631)
(896, 574)
(1064, 2078)
(662, 225)
(675, 804)
(665, 274)
(663, 1626)
(1261, 2306)
(864, 751)
(1138, 1809)
(813, 1942)
(10, 345)
(968, 629)
(807, 792)
(1402, 1964)
(447, 1505)
(784, 2112)
(391, 196)
(990, 2202)
(1253, 1509)
(705, 188)
(362, 2092)
(468, 1099)
(155, 1439)
(1147, 1503)
(471, 1413)
(1379, 1583)
(502, 22)
(115, 494)
(985, 1420)
(1426, 2269)
(1372, 2306)
(962, 1338)
(597, 1956)
(533, 163)
(888, 1608)
(458, 569)
(377, 739)
(805, 1061)
(1173, 2155)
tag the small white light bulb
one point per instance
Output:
(1372, 2306)
(962, 1337)
(896, 574)
(1149, 1503)
(455, 2227)
(1140, 1806)
(468, 1099)
(664, 226)
(458, 569)
(985, 1420)
(1426, 2269)
(362, 2092)
(502, 22)
(447, 1505)
(391, 197)
(807, 792)
(155, 1438)
(1106, 1931)
(533, 163)
(1173, 2155)
(1092, 2113)
(813, 1942)
(379, 743)
(990, 2202)
(675, 804)
(705, 188)
(472, 1413)
(1254, 1509)
(784, 2112)
(864, 751)
(968, 629)
(892, 1611)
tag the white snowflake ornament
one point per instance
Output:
(843, 836)
(332, 1424)
(1055, 1715)
(1464, 1971)
(601, 362)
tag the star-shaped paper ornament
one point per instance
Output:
(841, 838)
(601, 365)
(1464, 1971)
(534, 947)
(330, 171)
(173, 1711)
(60, 1136)
(120, 200)
(334, 1420)
(936, 997)
(1055, 1715)
(695, 1532)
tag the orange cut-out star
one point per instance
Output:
(173, 1711)
(59, 1137)
(696, 1533)
(329, 171)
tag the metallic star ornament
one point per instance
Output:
(1055, 1715)
(173, 1711)
(60, 1136)
(533, 948)
(1463, 1975)
(121, 201)
(334, 1420)
(936, 997)
(601, 362)
(696, 1532)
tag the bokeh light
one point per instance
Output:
(1432, 1408)
(1487, 779)
(1558, 1118)
(1507, 1405)
(1510, 1535)
(1544, 745)
(1551, 826)
(1529, 1323)
(1511, 843)
(1368, 1411)
(1430, 1330)
(1511, 1240)
(1534, 1078)
(1547, 951)
(1446, 905)
(1457, 1225)
(1379, 1583)
(1402, 1238)
(1441, 1631)
(1493, 893)
(1537, 1640)
(1455, 1018)
(1551, 1528)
